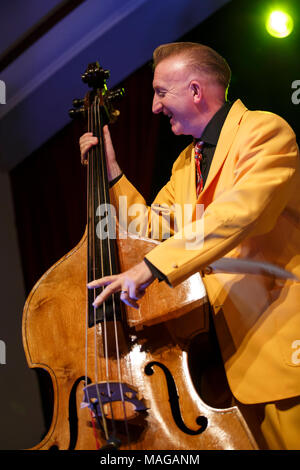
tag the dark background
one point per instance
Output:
(49, 186)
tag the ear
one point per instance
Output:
(196, 90)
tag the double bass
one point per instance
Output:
(121, 377)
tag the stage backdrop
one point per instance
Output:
(49, 187)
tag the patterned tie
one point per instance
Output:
(198, 158)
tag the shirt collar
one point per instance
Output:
(213, 129)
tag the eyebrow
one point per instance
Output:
(159, 88)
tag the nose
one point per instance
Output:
(156, 105)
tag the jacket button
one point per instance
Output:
(174, 265)
(207, 270)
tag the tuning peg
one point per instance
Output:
(78, 102)
(77, 112)
(115, 95)
(85, 77)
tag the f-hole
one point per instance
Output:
(174, 401)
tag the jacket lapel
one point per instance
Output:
(228, 133)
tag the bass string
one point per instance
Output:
(104, 185)
(100, 189)
(91, 268)
(95, 156)
(96, 160)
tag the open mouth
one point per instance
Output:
(170, 116)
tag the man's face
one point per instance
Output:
(173, 95)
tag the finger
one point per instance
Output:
(107, 292)
(86, 144)
(109, 148)
(135, 292)
(91, 140)
(103, 281)
(124, 296)
(85, 136)
(86, 139)
(106, 134)
(130, 302)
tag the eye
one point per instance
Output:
(160, 93)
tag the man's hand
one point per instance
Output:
(88, 140)
(131, 284)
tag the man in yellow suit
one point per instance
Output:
(248, 184)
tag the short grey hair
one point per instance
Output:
(200, 57)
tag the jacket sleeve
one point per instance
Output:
(265, 174)
(135, 216)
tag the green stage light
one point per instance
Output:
(279, 24)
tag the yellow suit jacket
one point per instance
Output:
(251, 206)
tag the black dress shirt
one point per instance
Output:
(210, 137)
